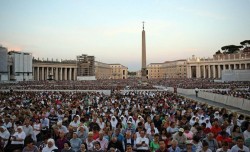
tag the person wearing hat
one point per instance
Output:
(82, 132)
(113, 122)
(75, 123)
(4, 136)
(50, 147)
(181, 138)
(17, 140)
(129, 127)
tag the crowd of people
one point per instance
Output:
(155, 121)
(108, 84)
(245, 94)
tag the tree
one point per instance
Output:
(245, 43)
(229, 49)
(218, 52)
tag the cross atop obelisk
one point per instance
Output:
(143, 25)
(143, 68)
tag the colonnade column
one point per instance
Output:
(56, 75)
(52, 72)
(198, 71)
(42, 73)
(61, 74)
(38, 74)
(219, 71)
(70, 74)
(189, 71)
(75, 73)
(204, 71)
(209, 72)
(214, 71)
(65, 74)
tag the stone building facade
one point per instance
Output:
(212, 67)
(119, 71)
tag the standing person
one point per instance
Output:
(162, 147)
(45, 125)
(246, 135)
(181, 138)
(37, 127)
(75, 142)
(4, 136)
(196, 92)
(67, 147)
(60, 142)
(189, 146)
(30, 147)
(103, 142)
(97, 147)
(75, 123)
(154, 144)
(236, 132)
(50, 147)
(239, 147)
(28, 129)
(90, 141)
(128, 140)
(129, 148)
(114, 143)
(224, 148)
(174, 146)
(82, 133)
(17, 140)
(53, 118)
(205, 147)
(83, 148)
(212, 143)
(142, 142)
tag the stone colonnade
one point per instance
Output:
(202, 70)
(53, 72)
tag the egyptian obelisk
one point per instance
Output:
(143, 68)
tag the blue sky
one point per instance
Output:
(111, 29)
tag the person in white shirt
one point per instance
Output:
(113, 122)
(4, 135)
(224, 147)
(75, 123)
(28, 129)
(50, 147)
(62, 128)
(152, 127)
(239, 147)
(246, 135)
(17, 140)
(142, 142)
